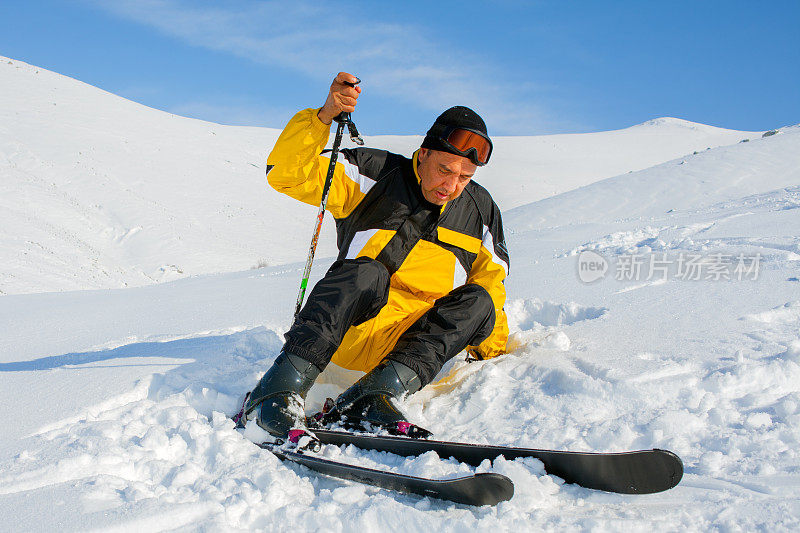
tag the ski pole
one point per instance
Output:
(341, 119)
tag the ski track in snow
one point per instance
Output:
(117, 402)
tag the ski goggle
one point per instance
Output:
(472, 144)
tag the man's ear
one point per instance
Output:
(423, 153)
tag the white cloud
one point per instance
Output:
(317, 39)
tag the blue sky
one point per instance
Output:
(527, 67)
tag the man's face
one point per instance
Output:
(443, 175)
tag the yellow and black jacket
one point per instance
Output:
(380, 213)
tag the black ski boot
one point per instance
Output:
(369, 401)
(279, 398)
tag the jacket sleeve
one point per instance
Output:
(489, 271)
(296, 167)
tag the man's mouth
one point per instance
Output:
(441, 195)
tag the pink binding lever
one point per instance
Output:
(297, 436)
(412, 430)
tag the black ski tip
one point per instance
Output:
(642, 472)
(481, 489)
(674, 466)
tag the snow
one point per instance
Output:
(132, 321)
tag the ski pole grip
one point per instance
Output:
(344, 118)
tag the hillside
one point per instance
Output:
(101, 192)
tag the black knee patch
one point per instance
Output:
(371, 280)
(372, 275)
(481, 307)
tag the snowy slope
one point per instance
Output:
(101, 192)
(115, 402)
(691, 182)
(532, 168)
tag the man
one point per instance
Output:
(420, 271)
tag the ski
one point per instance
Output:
(636, 472)
(475, 489)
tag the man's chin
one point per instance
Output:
(436, 199)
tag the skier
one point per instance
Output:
(419, 275)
